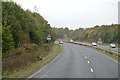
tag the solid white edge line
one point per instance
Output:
(45, 74)
(42, 76)
(111, 58)
(44, 67)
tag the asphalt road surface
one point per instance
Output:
(108, 47)
(102, 46)
(76, 61)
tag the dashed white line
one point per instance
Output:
(85, 57)
(91, 69)
(88, 62)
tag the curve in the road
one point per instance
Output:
(79, 62)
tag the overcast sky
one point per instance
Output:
(75, 13)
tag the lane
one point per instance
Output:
(70, 65)
(103, 66)
(73, 65)
(108, 47)
(79, 62)
(102, 46)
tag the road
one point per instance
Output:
(102, 46)
(108, 47)
(79, 62)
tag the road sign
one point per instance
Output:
(99, 41)
(49, 37)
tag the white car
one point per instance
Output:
(71, 41)
(94, 44)
(112, 45)
(60, 42)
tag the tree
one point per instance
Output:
(108, 33)
(25, 26)
(7, 39)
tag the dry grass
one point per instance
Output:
(21, 66)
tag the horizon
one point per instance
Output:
(86, 28)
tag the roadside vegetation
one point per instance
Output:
(24, 41)
(24, 45)
(108, 34)
(32, 61)
(22, 26)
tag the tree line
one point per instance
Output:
(24, 36)
(21, 26)
(108, 33)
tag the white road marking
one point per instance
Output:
(51, 68)
(44, 76)
(88, 62)
(91, 69)
(44, 67)
(85, 57)
(110, 58)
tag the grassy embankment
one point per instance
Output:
(111, 55)
(46, 55)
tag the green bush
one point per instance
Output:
(25, 27)
(7, 39)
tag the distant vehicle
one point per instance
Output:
(60, 42)
(94, 44)
(71, 41)
(112, 45)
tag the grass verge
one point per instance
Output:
(25, 71)
(111, 55)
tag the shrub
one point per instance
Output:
(13, 52)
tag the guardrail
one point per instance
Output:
(97, 47)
